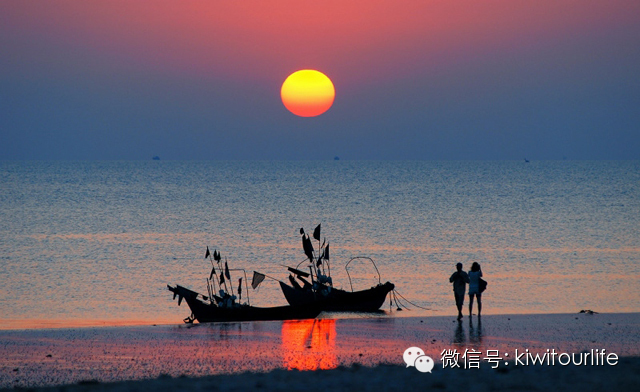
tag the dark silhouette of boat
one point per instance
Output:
(331, 299)
(320, 291)
(221, 305)
(205, 310)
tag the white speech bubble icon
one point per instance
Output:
(411, 354)
(424, 364)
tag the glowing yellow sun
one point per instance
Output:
(307, 93)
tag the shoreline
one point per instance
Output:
(9, 325)
(50, 357)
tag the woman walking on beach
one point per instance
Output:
(474, 287)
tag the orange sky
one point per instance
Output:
(460, 79)
(353, 40)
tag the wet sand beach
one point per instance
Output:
(625, 376)
(340, 354)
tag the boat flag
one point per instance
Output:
(326, 252)
(221, 279)
(240, 288)
(207, 254)
(257, 279)
(298, 272)
(308, 248)
(226, 270)
(213, 271)
(216, 256)
(295, 284)
(316, 233)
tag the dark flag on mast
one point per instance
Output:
(308, 248)
(240, 288)
(295, 271)
(226, 270)
(326, 252)
(316, 233)
(207, 254)
(213, 272)
(257, 279)
(221, 279)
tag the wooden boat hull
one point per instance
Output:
(338, 300)
(208, 313)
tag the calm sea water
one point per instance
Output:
(97, 242)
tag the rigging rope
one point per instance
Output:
(417, 306)
(396, 299)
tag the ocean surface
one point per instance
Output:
(96, 243)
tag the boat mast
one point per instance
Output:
(212, 290)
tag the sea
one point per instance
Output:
(96, 243)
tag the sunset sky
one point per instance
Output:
(468, 79)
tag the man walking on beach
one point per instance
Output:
(459, 280)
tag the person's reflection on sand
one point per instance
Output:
(459, 337)
(475, 334)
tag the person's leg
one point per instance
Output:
(471, 304)
(479, 303)
(459, 303)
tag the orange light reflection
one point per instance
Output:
(309, 344)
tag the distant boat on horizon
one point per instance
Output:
(156, 158)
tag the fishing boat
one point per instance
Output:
(207, 310)
(321, 292)
(225, 306)
(337, 300)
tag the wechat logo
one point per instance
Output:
(414, 356)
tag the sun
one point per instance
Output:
(307, 93)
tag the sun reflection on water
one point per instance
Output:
(309, 344)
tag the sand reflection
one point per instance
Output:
(309, 344)
(475, 334)
(459, 337)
